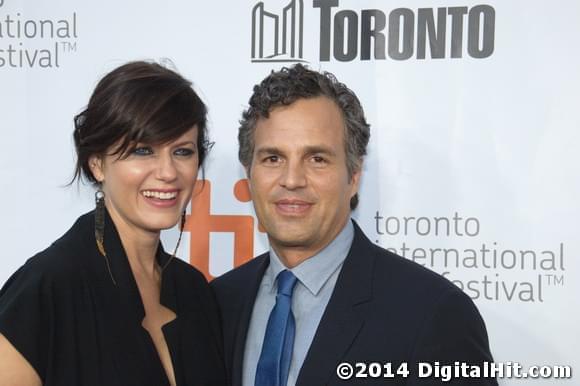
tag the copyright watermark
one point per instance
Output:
(344, 371)
(448, 372)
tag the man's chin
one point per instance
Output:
(289, 239)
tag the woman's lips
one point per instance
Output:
(161, 198)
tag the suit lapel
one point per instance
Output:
(344, 317)
(245, 315)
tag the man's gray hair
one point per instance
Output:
(284, 87)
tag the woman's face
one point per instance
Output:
(150, 188)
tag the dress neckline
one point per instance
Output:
(128, 289)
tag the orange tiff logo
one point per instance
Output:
(201, 223)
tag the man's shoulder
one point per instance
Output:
(392, 273)
(423, 301)
(409, 272)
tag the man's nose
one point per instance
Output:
(294, 175)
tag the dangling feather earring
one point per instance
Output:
(100, 228)
(181, 227)
(100, 220)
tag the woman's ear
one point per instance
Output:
(96, 166)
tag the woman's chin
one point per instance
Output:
(159, 223)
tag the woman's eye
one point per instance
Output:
(184, 152)
(143, 150)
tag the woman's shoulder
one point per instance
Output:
(193, 291)
(188, 281)
(66, 256)
(40, 292)
(182, 270)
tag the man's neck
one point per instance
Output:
(292, 256)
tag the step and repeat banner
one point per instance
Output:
(473, 168)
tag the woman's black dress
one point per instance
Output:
(64, 314)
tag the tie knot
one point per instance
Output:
(286, 282)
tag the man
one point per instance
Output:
(324, 294)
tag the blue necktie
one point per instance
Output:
(276, 354)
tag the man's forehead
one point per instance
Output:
(306, 112)
(302, 148)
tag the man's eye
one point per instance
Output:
(184, 152)
(143, 150)
(318, 159)
(272, 159)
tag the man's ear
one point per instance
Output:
(355, 178)
(247, 169)
(96, 166)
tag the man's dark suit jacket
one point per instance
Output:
(384, 308)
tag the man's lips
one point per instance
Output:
(291, 206)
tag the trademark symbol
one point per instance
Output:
(554, 280)
(68, 46)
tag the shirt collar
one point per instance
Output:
(316, 270)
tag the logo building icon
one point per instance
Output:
(278, 38)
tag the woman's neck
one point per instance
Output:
(140, 245)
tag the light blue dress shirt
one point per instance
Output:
(316, 279)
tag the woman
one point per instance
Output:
(105, 304)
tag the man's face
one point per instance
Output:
(298, 177)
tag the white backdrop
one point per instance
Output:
(473, 168)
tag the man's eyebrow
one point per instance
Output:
(315, 149)
(268, 150)
(319, 150)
